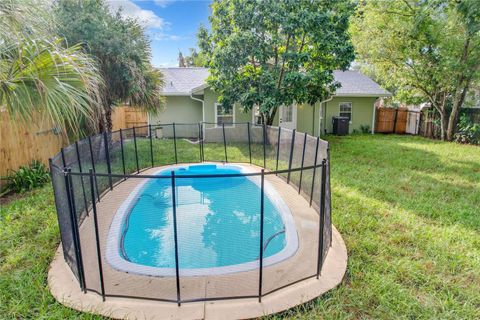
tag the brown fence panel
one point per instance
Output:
(390, 120)
(401, 121)
(385, 120)
(128, 117)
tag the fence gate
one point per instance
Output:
(390, 120)
(128, 117)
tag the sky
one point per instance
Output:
(171, 25)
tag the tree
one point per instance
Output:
(195, 59)
(272, 53)
(121, 49)
(181, 60)
(424, 48)
(37, 74)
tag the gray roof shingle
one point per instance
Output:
(355, 83)
(181, 81)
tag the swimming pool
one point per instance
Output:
(218, 224)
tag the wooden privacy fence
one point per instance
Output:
(390, 120)
(124, 117)
(22, 143)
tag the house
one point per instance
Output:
(190, 100)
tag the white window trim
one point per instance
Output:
(216, 116)
(351, 109)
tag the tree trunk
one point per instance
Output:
(452, 122)
(108, 118)
(105, 121)
(443, 122)
(462, 87)
(457, 105)
(439, 103)
(271, 116)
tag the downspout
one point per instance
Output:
(373, 118)
(203, 110)
(203, 105)
(320, 114)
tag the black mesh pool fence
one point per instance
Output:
(93, 177)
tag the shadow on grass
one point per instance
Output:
(432, 179)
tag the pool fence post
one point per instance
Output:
(92, 162)
(262, 205)
(107, 155)
(75, 230)
(81, 177)
(62, 152)
(291, 156)
(200, 141)
(314, 170)
(329, 190)
(123, 155)
(175, 142)
(278, 148)
(50, 164)
(224, 142)
(303, 161)
(175, 237)
(151, 143)
(249, 143)
(264, 145)
(136, 151)
(321, 227)
(97, 237)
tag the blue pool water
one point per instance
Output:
(218, 221)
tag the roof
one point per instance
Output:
(356, 84)
(184, 81)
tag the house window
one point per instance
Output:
(346, 110)
(256, 116)
(287, 113)
(224, 115)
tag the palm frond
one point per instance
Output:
(37, 74)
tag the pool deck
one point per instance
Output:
(65, 288)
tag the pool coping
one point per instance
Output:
(65, 288)
(119, 263)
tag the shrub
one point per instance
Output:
(468, 131)
(27, 178)
(365, 128)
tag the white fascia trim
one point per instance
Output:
(169, 94)
(364, 95)
(199, 88)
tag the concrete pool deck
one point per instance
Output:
(66, 290)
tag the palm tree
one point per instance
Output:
(38, 74)
(121, 49)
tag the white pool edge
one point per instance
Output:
(119, 263)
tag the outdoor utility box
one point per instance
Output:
(340, 125)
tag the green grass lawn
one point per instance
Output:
(408, 209)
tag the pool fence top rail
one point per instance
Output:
(104, 161)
